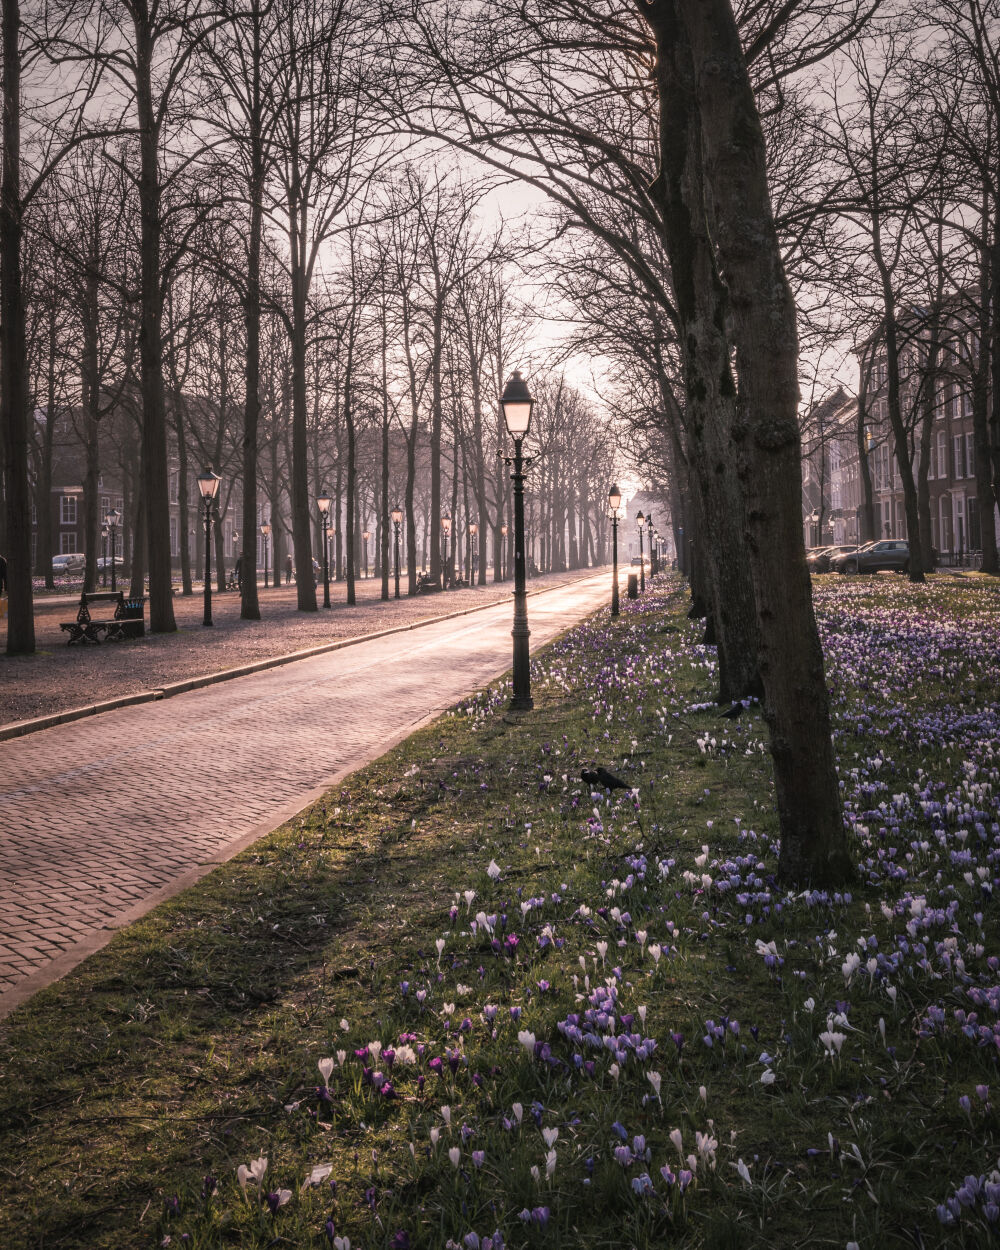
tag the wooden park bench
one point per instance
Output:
(127, 622)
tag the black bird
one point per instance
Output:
(737, 709)
(600, 776)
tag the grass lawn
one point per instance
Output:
(466, 1001)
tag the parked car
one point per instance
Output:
(104, 562)
(820, 559)
(69, 562)
(887, 553)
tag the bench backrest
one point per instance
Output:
(93, 596)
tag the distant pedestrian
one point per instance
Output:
(238, 569)
(288, 569)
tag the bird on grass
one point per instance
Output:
(737, 709)
(600, 776)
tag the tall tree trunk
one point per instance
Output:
(437, 572)
(154, 422)
(723, 559)
(383, 520)
(183, 506)
(90, 315)
(250, 600)
(43, 491)
(813, 839)
(13, 358)
(350, 508)
(305, 582)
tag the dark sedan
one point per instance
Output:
(888, 553)
(821, 559)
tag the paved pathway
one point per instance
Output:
(101, 818)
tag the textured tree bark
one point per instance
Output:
(250, 600)
(700, 298)
(305, 582)
(90, 416)
(13, 359)
(813, 838)
(154, 417)
(383, 520)
(43, 489)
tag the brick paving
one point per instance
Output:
(59, 677)
(100, 816)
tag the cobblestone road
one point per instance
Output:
(101, 818)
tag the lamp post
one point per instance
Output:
(517, 403)
(323, 502)
(397, 520)
(445, 531)
(473, 531)
(642, 567)
(503, 553)
(104, 548)
(112, 520)
(366, 534)
(265, 533)
(614, 503)
(653, 556)
(208, 484)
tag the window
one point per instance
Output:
(942, 454)
(67, 542)
(970, 455)
(972, 523)
(174, 486)
(958, 455)
(105, 506)
(174, 547)
(932, 469)
(966, 403)
(67, 512)
(944, 512)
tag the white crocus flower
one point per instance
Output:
(319, 1173)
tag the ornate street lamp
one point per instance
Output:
(366, 535)
(323, 502)
(265, 533)
(473, 531)
(112, 521)
(445, 531)
(653, 558)
(208, 484)
(517, 403)
(614, 503)
(104, 548)
(642, 567)
(503, 553)
(397, 521)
